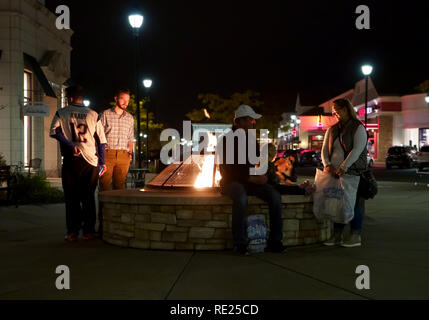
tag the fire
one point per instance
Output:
(205, 177)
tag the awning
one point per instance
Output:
(40, 75)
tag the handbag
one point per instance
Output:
(368, 187)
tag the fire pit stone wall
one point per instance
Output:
(196, 220)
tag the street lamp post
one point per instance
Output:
(298, 122)
(366, 70)
(147, 84)
(136, 21)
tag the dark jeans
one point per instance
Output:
(238, 194)
(357, 221)
(79, 180)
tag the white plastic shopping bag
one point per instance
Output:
(335, 198)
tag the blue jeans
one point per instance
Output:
(357, 221)
(238, 193)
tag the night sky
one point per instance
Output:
(277, 48)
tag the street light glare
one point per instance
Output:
(147, 83)
(366, 69)
(136, 20)
(86, 103)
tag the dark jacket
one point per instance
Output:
(235, 172)
(348, 132)
(273, 178)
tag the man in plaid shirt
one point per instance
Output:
(119, 129)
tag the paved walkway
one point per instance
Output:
(396, 250)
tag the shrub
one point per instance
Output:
(34, 189)
(152, 168)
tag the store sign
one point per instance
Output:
(361, 112)
(372, 126)
(37, 109)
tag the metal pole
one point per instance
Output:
(139, 160)
(147, 133)
(366, 100)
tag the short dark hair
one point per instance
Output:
(75, 92)
(122, 90)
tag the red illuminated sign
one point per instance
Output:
(361, 112)
(373, 126)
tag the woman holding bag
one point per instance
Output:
(344, 151)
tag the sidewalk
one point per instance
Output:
(396, 250)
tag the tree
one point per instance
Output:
(423, 87)
(222, 109)
(270, 122)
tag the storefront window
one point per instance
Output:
(423, 137)
(316, 142)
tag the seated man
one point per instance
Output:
(237, 183)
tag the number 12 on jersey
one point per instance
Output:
(78, 132)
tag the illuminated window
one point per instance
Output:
(28, 98)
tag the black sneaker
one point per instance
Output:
(71, 237)
(241, 249)
(277, 247)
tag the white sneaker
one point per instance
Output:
(353, 241)
(335, 240)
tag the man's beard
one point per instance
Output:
(121, 107)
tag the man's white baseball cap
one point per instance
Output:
(246, 111)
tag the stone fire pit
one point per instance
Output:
(195, 220)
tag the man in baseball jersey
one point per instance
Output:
(82, 143)
(119, 129)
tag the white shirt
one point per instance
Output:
(80, 125)
(337, 157)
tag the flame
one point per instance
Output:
(205, 177)
(217, 177)
(206, 113)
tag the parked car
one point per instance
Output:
(400, 156)
(312, 158)
(422, 158)
(369, 160)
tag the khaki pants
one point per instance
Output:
(118, 163)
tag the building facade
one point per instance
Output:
(392, 120)
(34, 64)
